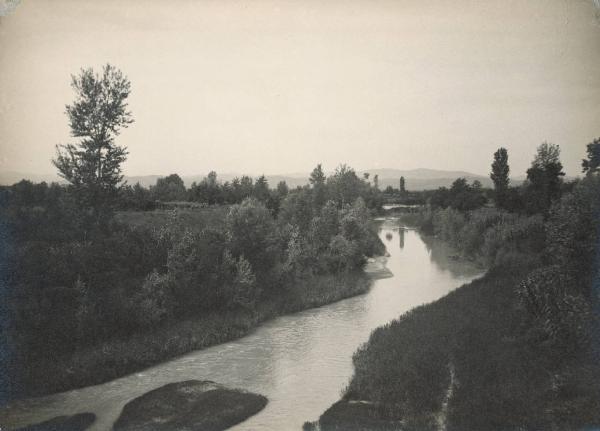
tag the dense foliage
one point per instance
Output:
(93, 165)
(499, 176)
(516, 349)
(76, 276)
(74, 282)
(342, 187)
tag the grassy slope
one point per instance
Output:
(502, 380)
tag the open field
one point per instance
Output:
(195, 219)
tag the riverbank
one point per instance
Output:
(266, 360)
(479, 358)
(119, 357)
(402, 374)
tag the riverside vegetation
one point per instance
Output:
(90, 302)
(97, 283)
(515, 349)
(100, 279)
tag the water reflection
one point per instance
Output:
(401, 235)
(448, 259)
(301, 362)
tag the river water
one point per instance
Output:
(300, 362)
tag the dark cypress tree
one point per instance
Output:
(499, 176)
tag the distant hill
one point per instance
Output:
(423, 179)
(416, 179)
(8, 178)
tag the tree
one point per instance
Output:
(564, 294)
(297, 209)
(344, 185)
(317, 176)
(324, 226)
(251, 234)
(93, 165)
(317, 180)
(544, 178)
(282, 188)
(154, 301)
(276, 197)
(402, 185)
(170, 188)
(246, 188)
(376, 182)
(240, 283)
(208, 190)
(465, 197)
(592, 164)
(137, 198)
(261, 189)
(341, 254)
(499, 176)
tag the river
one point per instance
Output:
(300, 362)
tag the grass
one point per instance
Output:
(191, 405)
(122, 356)
(505, 374)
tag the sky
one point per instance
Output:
(278, 86)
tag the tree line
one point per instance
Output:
(343, 186)
(550, 224)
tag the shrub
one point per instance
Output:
(448, 224)
(155, 300)
(513, 236)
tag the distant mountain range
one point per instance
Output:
(415, 179)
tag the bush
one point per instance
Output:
(448, 223)
(78, 282)
(155, 300)
(490, 236)
(514, 237)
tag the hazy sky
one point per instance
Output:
(279, 86)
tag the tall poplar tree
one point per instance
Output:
(93, 165)
(499, 176)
